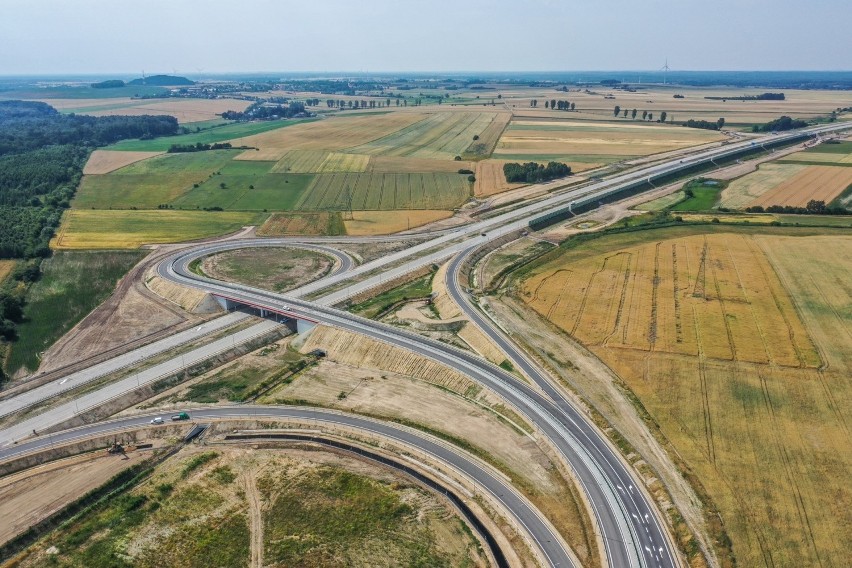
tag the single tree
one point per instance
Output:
(663, 116)
(573, 106)
(650, 116)
(633, 114)
(720, 123)
(644, 114)
(616, 111)
(546, 104)
(552, 104)
(625, 113)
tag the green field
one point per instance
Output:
(209, 136)
(193, 180)
(151, 182)
(705, 195)
(371, 192)
(839, 148)
(72, 285)
(256, 191)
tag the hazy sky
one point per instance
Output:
(127, 36)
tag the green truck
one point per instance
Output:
(181, 416)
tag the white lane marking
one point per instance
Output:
(63, 381)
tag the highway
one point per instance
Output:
(525, 514)
(645, 524)
(632, 532)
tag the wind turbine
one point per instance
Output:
(665, 68)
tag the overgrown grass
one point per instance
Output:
(341, 516)
(420, 288)
(72, 285)
(700, 195)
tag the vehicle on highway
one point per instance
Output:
(157, 420)
(181, 416)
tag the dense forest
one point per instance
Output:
(532, 172)
(42, 154)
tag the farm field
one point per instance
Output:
(736, 341)
(186, 111)
(366, 223)
(106, 161)
(442, 135)
(743, 191)
(385, 192)
(317, 161)
(827, 154)
(128, 229)
(224, 133)
(823, 183)
(490, 179)
(607, 141)
(149, 183)
(593, 106)
(335, 133)
(308, 224)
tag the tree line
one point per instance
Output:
(760, 97)
(198, 147)
(532, 172)
(779, 125)
(42, 154)
(262, 111)
(646, 116)
(814, 207)
(705, 124)
(555, 104)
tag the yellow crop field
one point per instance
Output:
(737, 343)
(335, 133)
(128, 229)
(490, 179)
(484, 145)
(575, 138)
(441, 135)
(338, 162)
(185, 110)
(106, 161)
(300, 161)
(826, 158)
(367, 223)
(743, 191)
(310, 224)
(399, 165)
(822, 183)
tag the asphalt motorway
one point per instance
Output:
(645, 525)
(570, 437)
(537, 527)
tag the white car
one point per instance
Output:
(157, 420)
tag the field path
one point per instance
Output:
(255, 517)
